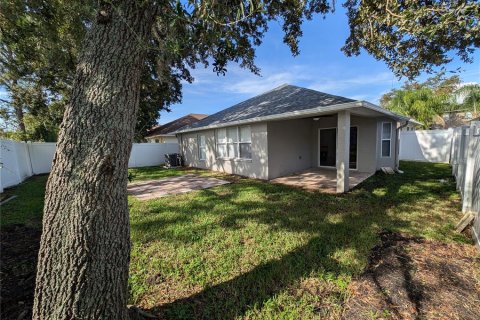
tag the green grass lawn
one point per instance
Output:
(255, 250)
(27, 207)
(152, 173)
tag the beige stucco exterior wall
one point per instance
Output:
(386, 161)
(257, 167)
(293, 144)
(289, 147)
(162, 139)
(367, 135)
(367, 149)
(281, 148)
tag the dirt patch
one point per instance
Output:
(18, 254)
(412, 278)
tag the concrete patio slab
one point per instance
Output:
(318, 179)
(152, 189)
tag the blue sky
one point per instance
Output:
(320, 66)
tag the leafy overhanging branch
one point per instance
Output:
(412, 36)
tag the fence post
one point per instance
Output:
(1, 166)
(469, 171)
(454, 152)
(28, 147)
(462, 159)
(450, 135)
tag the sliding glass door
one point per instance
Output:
(327, 147)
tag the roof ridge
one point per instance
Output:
(255, 96)
(276, 88)
(328, 94)
(187, 115)
(198, 114)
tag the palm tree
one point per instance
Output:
(469, 95)
(422, 104)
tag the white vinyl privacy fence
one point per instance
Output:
(20, 160)
(465, 161)
(426, 145)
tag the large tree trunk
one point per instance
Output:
(18, 107)
(85, 247)
(19, 116)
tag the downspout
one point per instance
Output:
(397, 146)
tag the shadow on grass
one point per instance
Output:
(334, 222)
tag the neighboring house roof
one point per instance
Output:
(455, 118)
(286, 101)
(475, 119)
(169, 128)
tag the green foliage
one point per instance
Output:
(420, 104)
(469, 95)
(427, 101)
(27, 207)
(411, 35)
(41, 42)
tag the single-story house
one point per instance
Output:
(290, 129)
(164, 133)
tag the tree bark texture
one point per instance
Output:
(84, 255)
(19, 116)
(18, 107)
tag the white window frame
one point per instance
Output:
(235, 143)
(249, 142)
(386, 139)
(217, 143)
(200, 146)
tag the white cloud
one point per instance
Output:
(332, 80)
(364, 97)
(258, 85)
(470, 83)
(344, 84)
(241, 81)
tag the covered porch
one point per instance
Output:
(333, 151)
(320, 179)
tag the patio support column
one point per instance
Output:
(343, 151)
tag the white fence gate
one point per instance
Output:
(465, 161)
(20, 160)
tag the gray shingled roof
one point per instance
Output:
(286, 98)
(176, 124)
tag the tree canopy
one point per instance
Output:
(412, 36)
(41, 41)
(40, 44)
